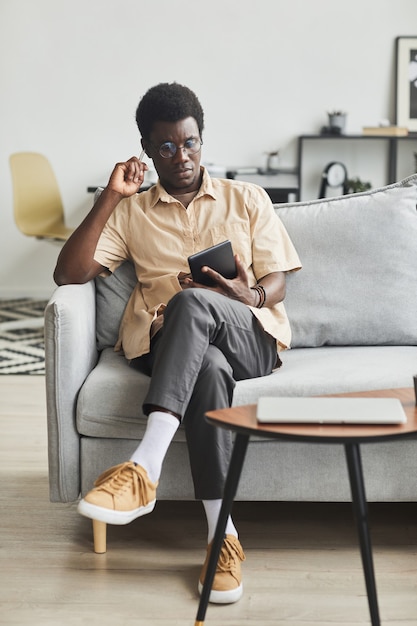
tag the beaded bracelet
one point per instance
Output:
(260, 289)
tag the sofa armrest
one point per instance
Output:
(70, 355)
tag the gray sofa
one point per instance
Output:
(353, 311)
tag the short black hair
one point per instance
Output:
(168, 102)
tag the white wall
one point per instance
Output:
(72, 73)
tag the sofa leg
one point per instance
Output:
(99, 536)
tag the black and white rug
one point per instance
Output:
(22, 336)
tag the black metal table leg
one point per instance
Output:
(360, 508)
(230, 488)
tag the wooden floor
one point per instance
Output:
(302, 568)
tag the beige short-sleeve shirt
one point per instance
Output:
(158, 234)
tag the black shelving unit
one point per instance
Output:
(391, 143)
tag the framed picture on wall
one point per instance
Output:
(406, 82)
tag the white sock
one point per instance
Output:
(150, 453)
(212, 509)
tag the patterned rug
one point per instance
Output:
(21, 336)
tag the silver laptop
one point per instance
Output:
(307, 410)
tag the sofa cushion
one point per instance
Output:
(110, 401)
(112, 294)
(358, 285)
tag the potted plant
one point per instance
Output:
(337, 121)
(355, 185)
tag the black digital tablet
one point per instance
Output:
(219, 257)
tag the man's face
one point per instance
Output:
(180, 173)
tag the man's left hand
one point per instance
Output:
(238, 288)
(235, 288)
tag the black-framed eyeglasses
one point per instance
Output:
(169, 149)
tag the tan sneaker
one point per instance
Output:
(121, 494)
(227, 584)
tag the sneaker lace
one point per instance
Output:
(230, 552)
(117, 478)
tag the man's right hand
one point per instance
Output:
(127, 177)
(76, 263)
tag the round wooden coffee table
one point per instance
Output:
(242, 420)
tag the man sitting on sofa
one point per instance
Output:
(195, 341)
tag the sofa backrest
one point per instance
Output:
(358, 285)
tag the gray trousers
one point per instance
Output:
(207, 343)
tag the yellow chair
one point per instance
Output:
(38, 209)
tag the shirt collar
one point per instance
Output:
(206, 189)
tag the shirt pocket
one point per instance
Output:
(238, 234)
